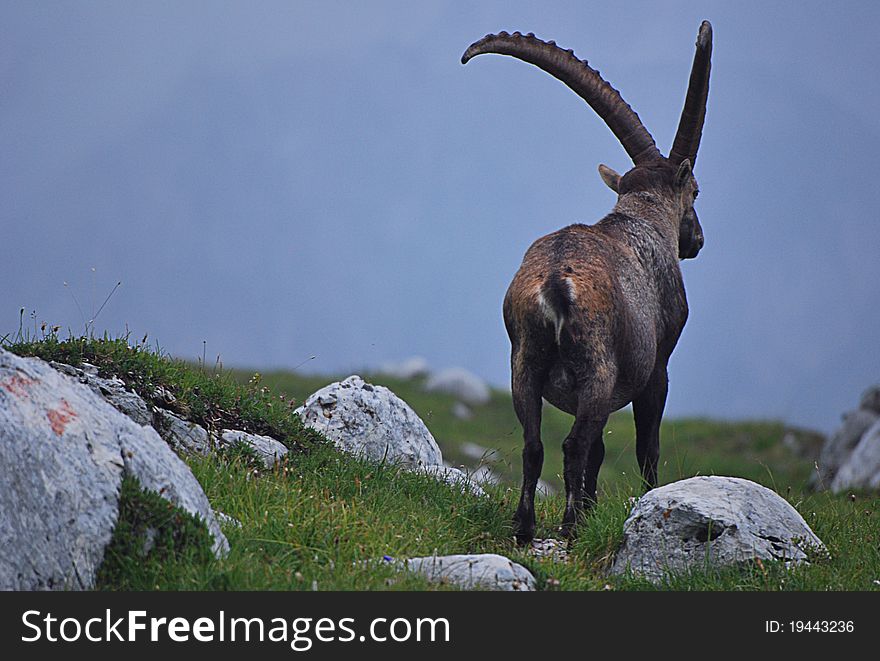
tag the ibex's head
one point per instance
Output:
(673, 174)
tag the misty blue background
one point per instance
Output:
(296, 179)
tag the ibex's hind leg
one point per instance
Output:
(592, 414)
(527, 389)
(648, 412)
(591, 472)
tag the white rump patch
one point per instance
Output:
(552, 315)
(571, 294)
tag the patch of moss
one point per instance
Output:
(150, 533)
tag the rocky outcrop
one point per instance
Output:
(64, 452)
(711, 521)
(112, 389)
(184, 436)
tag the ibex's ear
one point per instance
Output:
(609, 176)
(683, 174)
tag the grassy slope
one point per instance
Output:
(689, 447)
(321, 519)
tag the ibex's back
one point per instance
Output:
(595, 311)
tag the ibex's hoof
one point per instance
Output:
(524, 538)
(523, 533)
(568, 531)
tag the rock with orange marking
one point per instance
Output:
(63, 454)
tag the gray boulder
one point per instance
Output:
(861, 470)
(370, 421)
(267, 448)
(838, 448)
(460, 383)
(710, 520)
(485, 571)
(63, 454)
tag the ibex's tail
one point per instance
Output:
(555, 299)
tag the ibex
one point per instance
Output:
(595, 311)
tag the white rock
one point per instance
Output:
(454, 477)
(485, 571)
(861, 470)
(462, 384)
(267, 448)
(63, 454)
(410, 368)
(182, 435)
(710, 520)
(370, 421)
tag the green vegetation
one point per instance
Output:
(150, 533)
(322, 520)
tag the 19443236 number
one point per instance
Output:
(809, 626)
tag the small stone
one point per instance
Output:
(267, 448)
(551, 549)
(183, 436)
(484, 571)
(227, 520)
(462, 411)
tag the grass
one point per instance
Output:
(322, 520)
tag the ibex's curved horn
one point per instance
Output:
(690, 127)
(580, 77)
